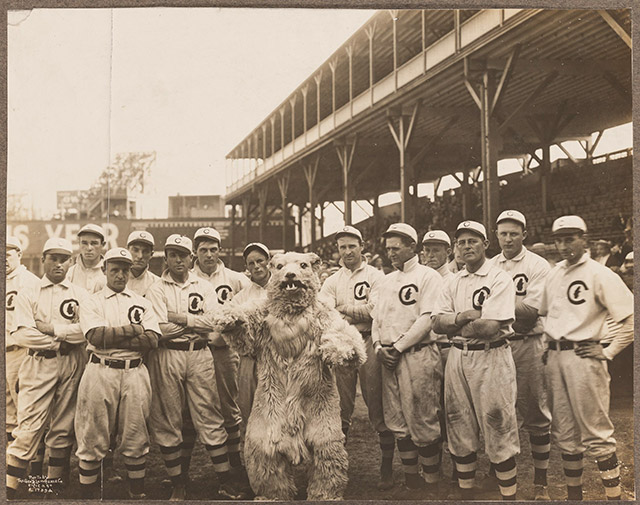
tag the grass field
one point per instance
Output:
(364, 462)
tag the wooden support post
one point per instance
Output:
(394, 18)
(466, 194)
(246, 211)
(305, 90)
(281, 129)
(283, 186)
(318, 79)
(345, 149)
(310, 171)
(545, 170)
(264, 142)
(333, 64)
(232, 232)
(272, 120)
(370, 31)
(321, 219)
(263, 193)
(490, 139)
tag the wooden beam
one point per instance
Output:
(534, 94)
(617, 85)
(505, 78)
(616, 27)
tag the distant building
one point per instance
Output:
(196, 206)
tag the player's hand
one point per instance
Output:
(590, 350)
(65, 346)
(176, 318)
(467, 316)
(523, 325)
(389, 357)
(46, 328)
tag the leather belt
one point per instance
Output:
(49, 353)
(193, 345)
(219, 347)
(413, 348)
(120, 364)
(480, 347)
(565, 345)
(365, 333)
(444, 345)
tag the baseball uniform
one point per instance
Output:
(90, 278)
(141, 284)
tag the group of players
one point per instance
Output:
(105, 353)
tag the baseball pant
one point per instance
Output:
(47, 397)
(579, 395)
(480, 396)
(112, 401)
(247, 383)
(14, 357)
(411, 396)
(226, 370)
(532, 405)
(178, 377)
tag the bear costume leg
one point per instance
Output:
(270, 475)
(328, 474)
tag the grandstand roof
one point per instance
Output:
(571, 73)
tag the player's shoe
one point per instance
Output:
(232, 492)
(541, 493)
(178, 493)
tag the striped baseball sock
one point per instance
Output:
(345, 430)
(387, 444)
(430, 459)
(507, 473)
(172, 457)
(188, 441)
(233, 445)
(35, 467)
(409, 457)
(573, 465)
(540, 448)
(220, 458)
(136, 469)
(16, 470)
(59, 464)
(89, 475)
(610, 475)
(466, 468)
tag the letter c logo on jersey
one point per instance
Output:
(479, 297)
(11, 300)
(135, 314)
(360, 290)
(521, 281)
(196, 303)
(225, 293)
(69, 309)
(575, 292)
(407, 294)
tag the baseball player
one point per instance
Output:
(412, 368)
(578, 295)
(140, 245)
(181, 369)
(18, 278)
(476, 309)
(226, 284)
(87, 271)
(352, 290)
(528, 272)
(256, 258)
(46, 324)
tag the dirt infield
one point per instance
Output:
(364, 461)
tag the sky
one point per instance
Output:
(85, 84)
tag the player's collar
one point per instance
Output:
(146, 269)
(45, 282)
(198, 271)
(482, 271)
(363, 264)
(192, 278)
(444, 270)
(518, 257)
(81, 264)
(564, 264)
(410, 264)
(16, 271)
(108, 292)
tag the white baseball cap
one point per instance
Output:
(14, 243)
(57, 245)
(118, 254)
(568, 224)
(141, 236)
(349, 231)
(512, 215)
(472, 226)
(255, 246)
(93, 228)
(437, 236)
(209, 233)
(177, 241)
(629, 256)
(402, 229)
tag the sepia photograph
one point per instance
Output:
(319, 254)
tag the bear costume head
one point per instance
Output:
(294, 280)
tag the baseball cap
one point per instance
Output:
(177, 241)
(118, 254)
(209, 233)
(14, 243)
(93, 228)
(255, 246)
(629, 256)
(512, 215)
(436, 236)
(349, 231)
(472, 226)
(57, 245)
(568, 224)
(141, 236)
(402, 229)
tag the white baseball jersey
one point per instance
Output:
(403, 296)
(141, 284)
(92, 279)
(528, 271)
(359, 288)
(447, 276)
(111, 309)
(17, 280)
(195, 298)
(225, 281)
(50, 303)
(577, 299)
(252, 293)
(489, 290)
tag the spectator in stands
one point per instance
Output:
(377, 262)
(456, 264)
(627, 245)
(539, 248)
(626, 271)
(604, 255)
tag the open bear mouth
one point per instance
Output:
(291, 285)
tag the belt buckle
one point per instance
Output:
(465, 348)
(127, 364)
(192, 345)
(487, 346)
